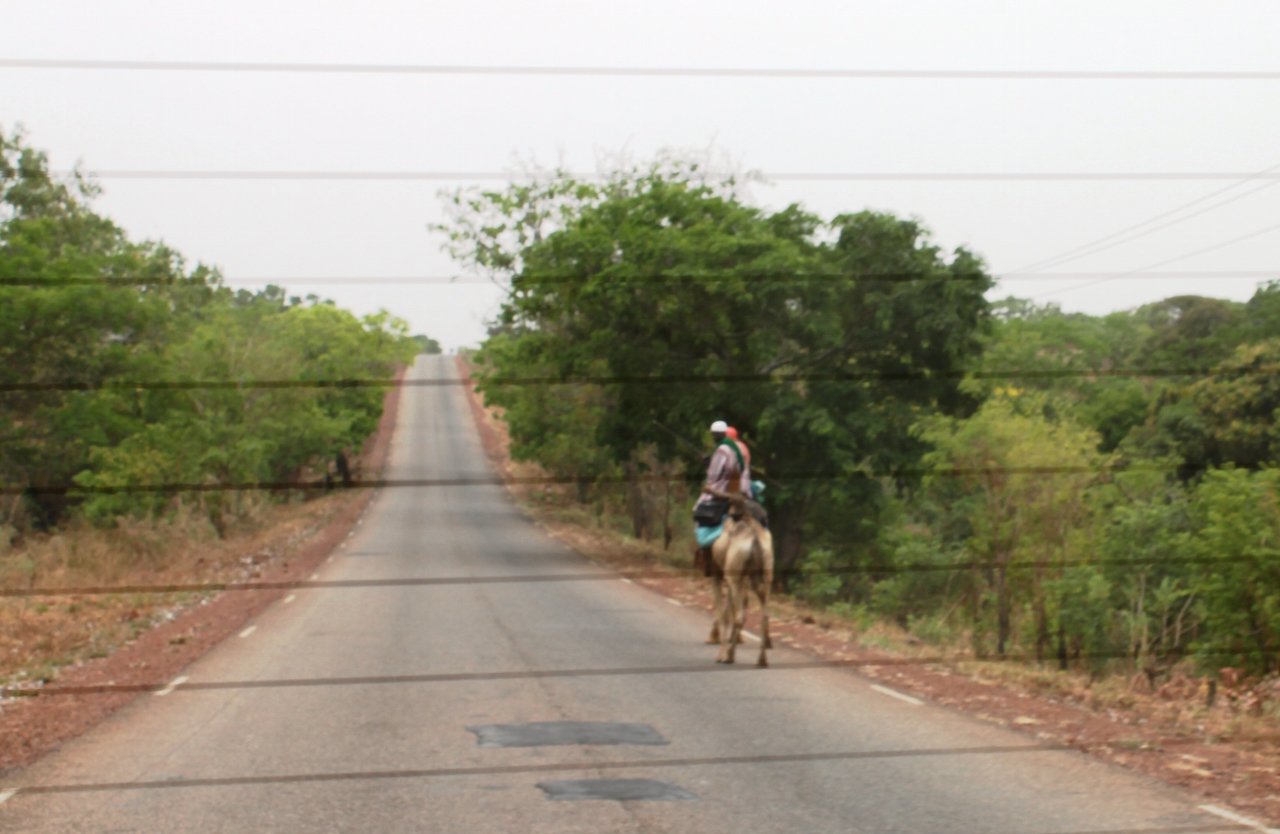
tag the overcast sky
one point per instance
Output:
(289, 231)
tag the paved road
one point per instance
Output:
(393, 739)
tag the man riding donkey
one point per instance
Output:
(734, 544)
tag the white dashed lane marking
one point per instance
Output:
(6, 794)
(628, 581)
(173, 683)
(675, 602)
(884, 690)
(250, 630)
(1236, 818)
(750, 636)
(290, 598)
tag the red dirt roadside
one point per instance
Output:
(34, 725)
(1225, 761)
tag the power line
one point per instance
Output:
(781, 176)
(616, 764)
(1168, 261)
(1178, 275)
(565, 480)
(697, 278)
(546, 767)
(1118, 238)
(596, 576)
(623, 379)
(1225, 243)
(661, 278)
(640, 72)
(54, 690)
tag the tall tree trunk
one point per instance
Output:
(666, 514)
(1062, 633)
(636, 498)
(1042, 617)
(975, 613)
(1002, 609)
(785, 523)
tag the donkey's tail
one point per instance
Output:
(755, 560)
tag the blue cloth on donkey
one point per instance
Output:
(707, 535)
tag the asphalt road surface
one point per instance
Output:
(748, 750)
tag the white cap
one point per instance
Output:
(719, 427)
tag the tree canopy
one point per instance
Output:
(1090, 489)
(84, 312)
(662, 301)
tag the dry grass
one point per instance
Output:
(39, 635)
(1179, 703)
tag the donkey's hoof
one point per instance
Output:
(763, 663)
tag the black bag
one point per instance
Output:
(710, 513)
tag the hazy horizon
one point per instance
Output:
(288, 231)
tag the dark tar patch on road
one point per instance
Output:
(616, 789)
(544, 733)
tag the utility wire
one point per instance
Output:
(781, 176)
(1182, 257)
(598, 576)
(639, 72)
(564, 480)
(657, 280)
(51, 690)
(1121, 237)
(622, 379)
(609, 765)
(544, 767)
(660, 278)
(1231, 242)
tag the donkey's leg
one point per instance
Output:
(717, 587)
(735, 617)
(762, 591)
(766, 584)
(730, 617)
(724, 618)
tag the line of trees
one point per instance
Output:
(80, 303)
(1086, 517)
(661, 273)
(1173, 497)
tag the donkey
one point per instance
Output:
(743, 554)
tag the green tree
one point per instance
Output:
(1236, 530)
(1228, 417)
(230, 434)
(426, 344)
(695, 306)
(79, 304)
(84, 311)
(1021, 478)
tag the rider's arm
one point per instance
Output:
(719, 466)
